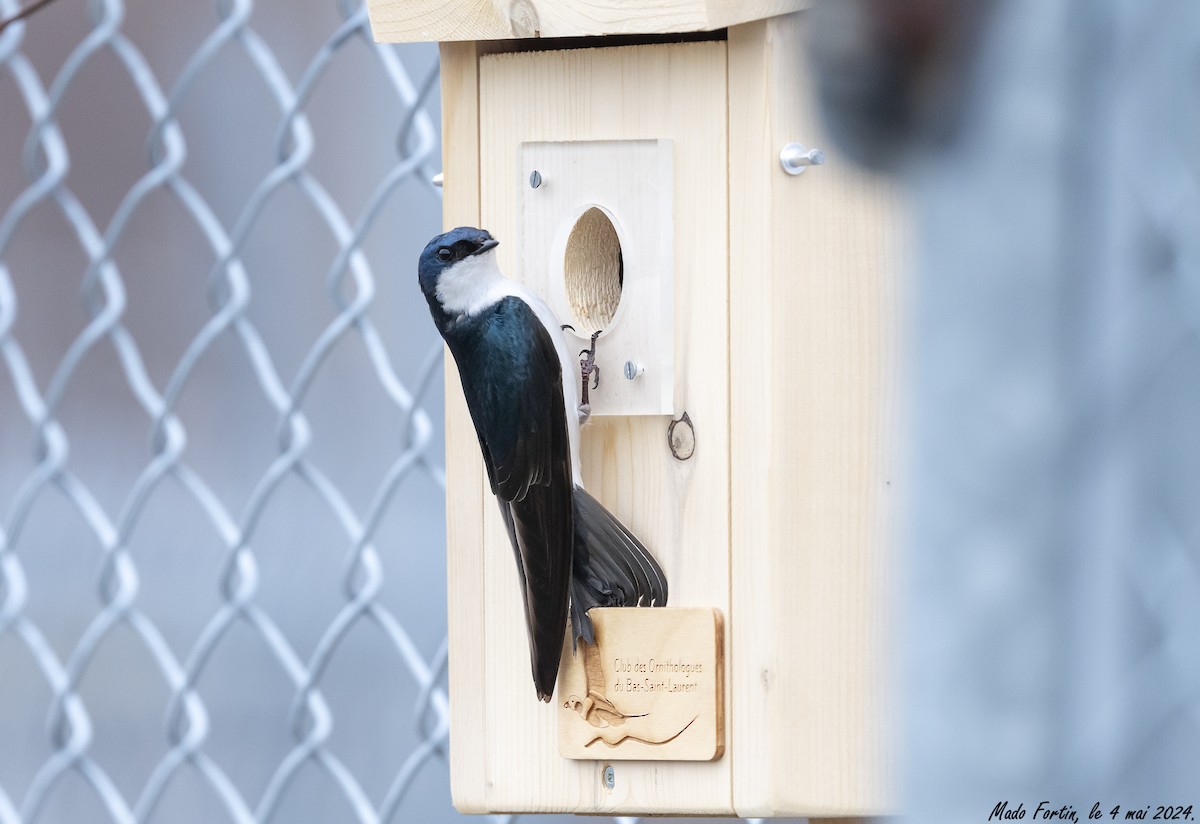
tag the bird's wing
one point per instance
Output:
(520, 418)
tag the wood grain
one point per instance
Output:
(398, 21)
(813, 268)
(679, 509)
(464, 466)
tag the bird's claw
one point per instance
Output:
(587, 361)
(588, 368)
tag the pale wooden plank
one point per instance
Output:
(813, 263)
(464, 465)
(680, 510)
(428, 20)
(723, 13)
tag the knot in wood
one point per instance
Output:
(681, 437)
(523, 19)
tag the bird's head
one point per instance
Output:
(455, 264)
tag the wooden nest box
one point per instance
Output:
(627, 155)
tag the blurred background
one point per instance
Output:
(222, 569)
(1050, 150)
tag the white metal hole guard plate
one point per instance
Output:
(632, 183)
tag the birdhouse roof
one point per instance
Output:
(398, 21)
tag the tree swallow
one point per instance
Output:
(522, 390)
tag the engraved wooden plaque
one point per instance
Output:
(650, 689)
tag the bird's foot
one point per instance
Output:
(589, 369)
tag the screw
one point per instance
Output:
(535, 178)
(633, 370)
(794, 158)
(610, 777)
(437, 180)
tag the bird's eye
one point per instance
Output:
(444, 253)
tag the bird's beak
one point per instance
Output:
(491, 243)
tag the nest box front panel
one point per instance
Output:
(662, 112)
(596, 242)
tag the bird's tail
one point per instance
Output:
(611, 567)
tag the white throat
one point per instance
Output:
(472, 285)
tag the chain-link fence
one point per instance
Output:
(240, 568)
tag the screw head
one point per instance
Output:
(610, 777)
(535, 179)
(632, 370)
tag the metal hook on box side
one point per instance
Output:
(795, 158)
